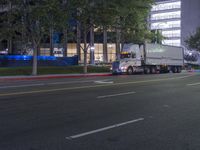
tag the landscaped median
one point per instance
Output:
(16, 71)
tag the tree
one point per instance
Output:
(85, 16)
(56, 19)
(106, 11)
(34, 24)
(193, 41)
(130, 21)
(8, 23)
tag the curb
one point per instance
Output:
(46, 77)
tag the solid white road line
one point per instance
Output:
(106, 81)
(17, 86)
(92, 86)
(42, 84)
(113, 95)
(193, 84)
(103, 129)
(57, 83)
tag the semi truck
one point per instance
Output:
(149, 58)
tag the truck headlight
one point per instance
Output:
(123, 68)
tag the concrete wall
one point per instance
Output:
(190, 18)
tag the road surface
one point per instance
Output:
(137, 112)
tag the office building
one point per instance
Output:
(175, 19)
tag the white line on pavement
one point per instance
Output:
(55, 83)
(103, 82)
(42, 84)
(92, 86)
(103, 129)
(25, 85)
(113, 95)
(193, 84)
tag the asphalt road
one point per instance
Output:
(138, 112)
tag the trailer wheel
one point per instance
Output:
(174, 70)
(130, 70)
(147, 70)
(153, 70)
(178, 69)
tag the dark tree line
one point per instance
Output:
(30, 21)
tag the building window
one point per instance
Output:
(166, 6)
(172, 42)
(167, 15)
(171, 33)
(166, 25)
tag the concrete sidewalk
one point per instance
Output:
(54, 76)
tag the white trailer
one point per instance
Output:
(149, 58)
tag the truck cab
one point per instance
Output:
(131, 59)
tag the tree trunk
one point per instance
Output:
(85, 52)
(10, 41)
(38, 50)
(10, 46)
(65, 42)
(34, 69)
(51, 41)
(118, 39)
(105, 48)
(78, 43)
(92, 45)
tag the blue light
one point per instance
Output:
(25, 57)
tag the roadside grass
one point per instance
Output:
(12, 71)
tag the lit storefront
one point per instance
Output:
(98, 52)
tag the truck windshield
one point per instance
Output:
(127, 55)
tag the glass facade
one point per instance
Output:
(98, 52)
(166, 17)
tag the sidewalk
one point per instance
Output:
(54, 76)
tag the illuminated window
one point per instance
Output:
(172, 42)
(168, 15)
(165, 6)
(166, 25)
(171, 33)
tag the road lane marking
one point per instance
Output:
(104, 82)
(103, 129)
(43, 84)
(17, 86)
(87, 81)
(114, 95)
(193, 84)
(91, 86)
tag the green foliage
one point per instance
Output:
(156, 37)
(35, 17)
(193, 41)
(52, 70)
(8, 24)
(133, 20)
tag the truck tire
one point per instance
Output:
(178, 69)
(153, 70)
(147, 70)
(174, 70)
(129, 71)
